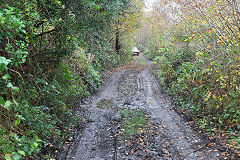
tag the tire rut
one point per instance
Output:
(166, 136)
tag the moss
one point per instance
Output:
(105, 103)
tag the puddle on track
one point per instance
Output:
(166, 137)
(105, 104)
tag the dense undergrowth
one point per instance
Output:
(199, 65)
(51, 52)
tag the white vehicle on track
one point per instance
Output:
(135, 51)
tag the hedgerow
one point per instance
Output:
(52, 52)
(197, 55)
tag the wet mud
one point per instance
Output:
(165, 136)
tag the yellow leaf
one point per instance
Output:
(214, 96)
(185, 40)
(139, 130)
(204, 22)
(209, 94)
(235, 57)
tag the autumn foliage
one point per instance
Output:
(196, 45)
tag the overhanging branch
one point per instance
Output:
(47, 32)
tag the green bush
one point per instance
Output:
(203, 85)
(204, 88)
(51, 53)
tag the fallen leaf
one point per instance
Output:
(211, 144)
(140, 130)
(224, 153)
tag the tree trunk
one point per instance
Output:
(117, 44)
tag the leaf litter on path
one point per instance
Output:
(164, 135)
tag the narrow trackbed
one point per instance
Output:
(97, 139)
(166, 136)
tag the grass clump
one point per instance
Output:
(133, 121)
(105, 104)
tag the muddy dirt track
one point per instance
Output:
(166, 135)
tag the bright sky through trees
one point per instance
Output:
(149, 4)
